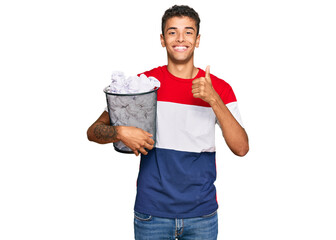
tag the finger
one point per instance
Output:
(196, 90)
(136, 152)
(150, 141)
(148, 134)
(196, 95)
(198, 80)
(198, 85)
(143, 151)
(195, 80)
(207, 72)
(148, 146)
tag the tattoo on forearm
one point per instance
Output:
(106, 133)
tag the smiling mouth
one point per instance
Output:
(180, 48)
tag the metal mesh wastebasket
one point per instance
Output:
(137, 110)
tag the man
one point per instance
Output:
(176, 197)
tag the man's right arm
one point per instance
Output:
(136, 139)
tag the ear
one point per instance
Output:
(163, 44)
(198, 38)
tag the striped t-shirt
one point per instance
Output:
(176, 178)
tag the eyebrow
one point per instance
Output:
(174, 28)
(190, 28)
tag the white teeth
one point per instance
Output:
(180, 47)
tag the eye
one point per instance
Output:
(189, 33)
(171, 33)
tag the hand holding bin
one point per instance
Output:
(132, 109)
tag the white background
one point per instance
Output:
(57, 56)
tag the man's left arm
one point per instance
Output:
(233, 133)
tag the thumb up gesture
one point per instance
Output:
(202, 87)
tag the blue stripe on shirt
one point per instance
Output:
(176, 184)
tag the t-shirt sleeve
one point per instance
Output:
(229, 98)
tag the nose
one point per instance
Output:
(180, 37)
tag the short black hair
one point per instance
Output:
(180, 11)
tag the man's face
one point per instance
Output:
(180, 39)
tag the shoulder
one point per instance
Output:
(218, 83)
(223, 88)
(155, 72)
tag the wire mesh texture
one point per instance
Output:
(137, 110)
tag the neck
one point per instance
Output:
(182, 70)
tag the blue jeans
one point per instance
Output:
(147, 227)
